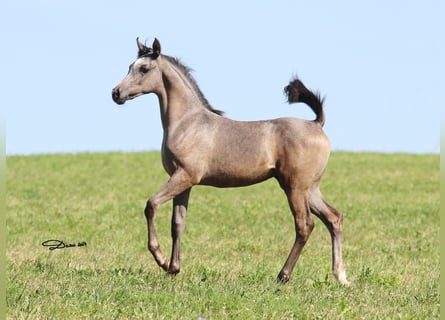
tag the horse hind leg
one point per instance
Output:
(304, 225)
(333, 220)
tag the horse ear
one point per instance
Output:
(156, 48)
(142, 49)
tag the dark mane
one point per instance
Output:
(186, 71)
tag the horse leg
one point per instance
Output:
(333, 220)
(304, 225)
(178, 183)
(180, 204)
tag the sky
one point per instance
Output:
(380, 65)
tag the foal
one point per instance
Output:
(201, 147)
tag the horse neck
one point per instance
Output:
(177, 100)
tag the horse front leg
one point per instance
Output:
(180, 204)
(178, 183)
(153, 244)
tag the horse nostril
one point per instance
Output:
(115, 94)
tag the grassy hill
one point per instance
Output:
(235, 242)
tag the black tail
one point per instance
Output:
(297, 92)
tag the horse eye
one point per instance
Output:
(143, 69)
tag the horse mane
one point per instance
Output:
(186, 71)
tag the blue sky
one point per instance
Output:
(379, 63)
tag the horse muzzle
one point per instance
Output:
(116, 95)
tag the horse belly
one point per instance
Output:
(238, 173)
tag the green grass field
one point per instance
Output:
(235, 242)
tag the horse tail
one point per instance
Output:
(297, 92)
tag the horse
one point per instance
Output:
(203, 147)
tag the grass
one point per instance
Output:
(235, 243)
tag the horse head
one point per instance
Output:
(143, 75)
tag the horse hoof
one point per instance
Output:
(283, 278)
(341, 277)
(172, 274)
(164, 265)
